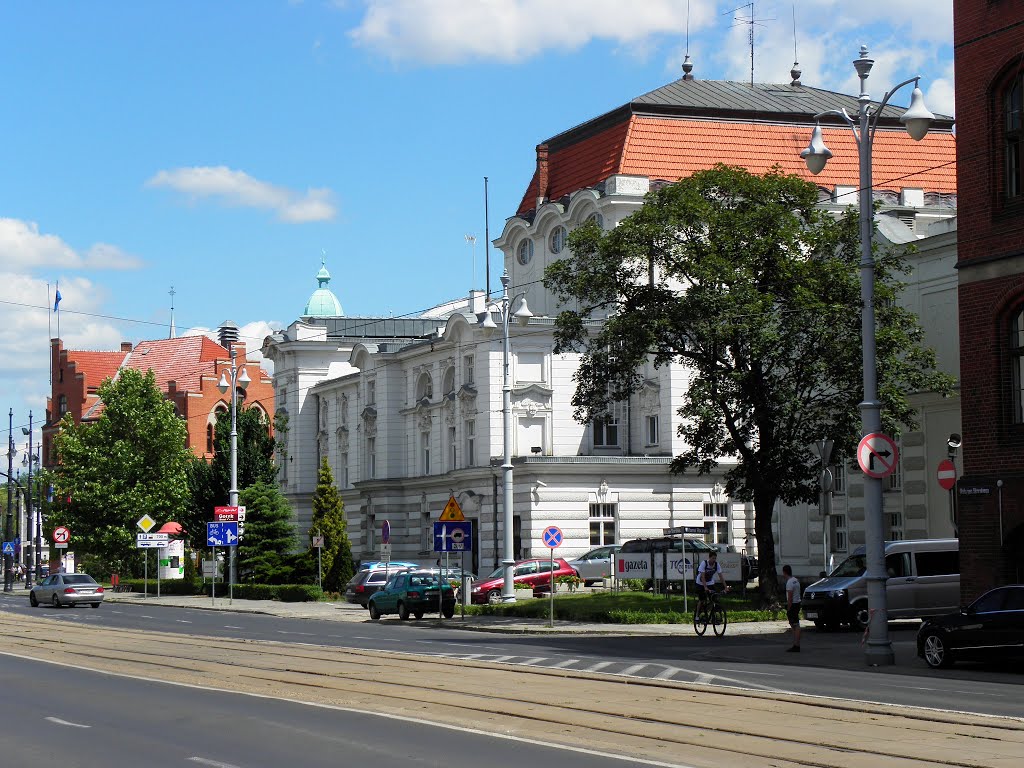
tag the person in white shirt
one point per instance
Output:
(709, 576)
(793, 606)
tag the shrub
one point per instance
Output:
(299, 593)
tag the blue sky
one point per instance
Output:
(221, 148)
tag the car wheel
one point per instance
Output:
(494, 596)
(936, 652)
(448, 612)
(374, 611)
(403, 611)
(32, 600)
(95, 605)
(861, 615)
(56, 602)
(418, 615)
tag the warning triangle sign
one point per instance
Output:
(452, 512)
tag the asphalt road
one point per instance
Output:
(830, 664)
(55, 715)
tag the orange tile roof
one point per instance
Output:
(95, 367)
(182, 360)
(669, 149)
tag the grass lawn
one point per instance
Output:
(626, 608)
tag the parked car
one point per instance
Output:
(596, 564)
(535, 574)
(412, 592)
(67, 589)
(364, 583)
(696, 549)
(989, 629)
(923, 580)
(390, 565)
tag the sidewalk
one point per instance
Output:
(341, 611)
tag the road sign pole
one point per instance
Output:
(213, 578)
(551, 583)
(145, 575)
(158, 572)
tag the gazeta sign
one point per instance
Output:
(632, 566)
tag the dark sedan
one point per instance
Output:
(413, 593)
(989, 629)
(365, 583)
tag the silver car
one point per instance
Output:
(595, 564)
(61, 589)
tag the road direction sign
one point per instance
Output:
(221, 534)
(452, 513)
(163, 538)
(146, 523)
(385, 533)
(683, 530)
(225, 514)
(552, 536)
(453, 537)
(8, 547)
(149, 544)
(61, 535)
(877, 455)
(946, 474)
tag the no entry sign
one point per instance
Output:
(946, 474)
(877, 455)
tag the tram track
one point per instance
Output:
(668, 721)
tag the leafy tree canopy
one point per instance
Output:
(757, 291)
(128, 463)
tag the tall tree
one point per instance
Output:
(264, 554)
(329, 522)
(128, 463)
(746, 281)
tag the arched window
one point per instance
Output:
(557, 241)
(1013, 126)
(62, 405)
(209, 438)
(524, 254)
(597, 218)
(424, 387)
(1017, 365)
(449, 380)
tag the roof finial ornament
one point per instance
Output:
(795, 71)
(687, 62)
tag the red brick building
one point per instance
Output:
(187, 369)
(989, 57)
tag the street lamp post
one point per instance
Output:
(917, 119)
(522, 315)
(9, 524)
(29, 519)
(239, 378)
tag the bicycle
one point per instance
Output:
(710, 611)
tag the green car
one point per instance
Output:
(412, 592)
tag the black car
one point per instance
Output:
(366, 583)
(990, 628)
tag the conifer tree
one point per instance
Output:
(329, 522)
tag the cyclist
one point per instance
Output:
(709, 577)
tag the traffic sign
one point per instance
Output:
(452, 513)
(61, 535)
(318, 542)
(148, 544)
(946, 474)
(225, 514)
(877, 455)
(552, 536)
(693, 530)
(453, 537)
(385, 551)
(146, 523)
(221, 534)
(385, 533)
(8, 547)
(162, 538)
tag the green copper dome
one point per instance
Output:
(323, 302)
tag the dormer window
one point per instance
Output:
(524, 253)
(557, 241)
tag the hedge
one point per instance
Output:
(286, 593)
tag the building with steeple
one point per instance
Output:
(323, 302)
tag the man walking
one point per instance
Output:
(793, 606)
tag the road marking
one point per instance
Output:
(704, 679)
(214, 763)
(183, 621)
(565, 663)
(533, 662)
(599, 666)
(229, 626)
(58, 721)
(632, 669)
(667, 674)
(145, 617)
(745, 672)
(285, 632)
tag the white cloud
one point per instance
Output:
(23, 246)
(239, 189)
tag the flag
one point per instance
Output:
(56, 300)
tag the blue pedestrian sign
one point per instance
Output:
(453, 536)
(552, 536)
(222, 534)
(8, 547)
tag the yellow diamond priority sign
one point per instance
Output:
(452, 512)
(146, 523)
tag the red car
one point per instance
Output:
(535, 574)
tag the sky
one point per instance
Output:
(223, 149)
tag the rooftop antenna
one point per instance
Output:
(471, 240)
(687, 63)
(751, 22)
(174, 332)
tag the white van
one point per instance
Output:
(924, 580)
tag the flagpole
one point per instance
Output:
(49, 333)
(56, 307)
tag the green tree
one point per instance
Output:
(264, 554)
(329, 522)
(747, 282)
(128, 463)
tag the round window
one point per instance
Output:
(597, 218)
(558, 235)
(525, 251)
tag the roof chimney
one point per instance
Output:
(227, 334)
(126, 346)
(542, 174)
